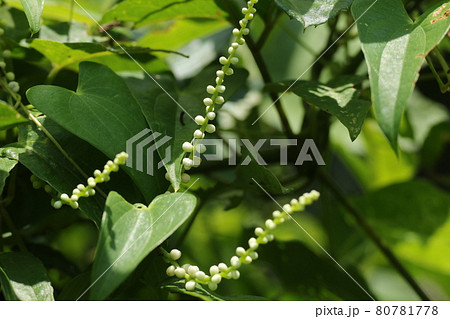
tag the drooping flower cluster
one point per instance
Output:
(194, 148)
(193, 275)
(89, 190)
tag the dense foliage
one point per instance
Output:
(357, 89)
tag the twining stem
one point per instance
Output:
(363, 224)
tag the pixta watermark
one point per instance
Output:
(147, 146)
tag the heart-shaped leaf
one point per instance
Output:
(395, 48)
(130, 232)
(102, 112)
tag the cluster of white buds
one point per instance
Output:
(193, 275)
(195, 148)
(8, 76)
(89, 189)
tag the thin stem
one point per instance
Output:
(268, 79)
(442, 86)
(443, 63)
(270, 23)
(12, 227)
(384, 248)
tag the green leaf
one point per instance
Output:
(130, 232)
(102, 112)
(313, 12)
(6, 165)
(178, 33)
(33, 10)
(61, 10)
(397, 208)
(69, 55)
(395, 48)
(339, 98)
(23, 277)
(144, 12)
(9, 117)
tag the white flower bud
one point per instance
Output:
(236, 32)
(74, 198)
(196, 161)
(250, 16)
(220, 100)
(200, 148)
(212, 286)
(199, 120)
(175, 254)
(221, 88)
(91, 192)
(240, 251)
(74, 205)
(220, 74)
(235, 44)
(185, 178)
(200, 275)
(91, 182)
(254, 255)
(211, 116)
(170, 271)
(223, 267)
(192, 270)
(294, 202)
(213, 270)
(210, 89)
(216, 279)
(186, 267)
(270, 224)
(229, 71)
(235, 274)
(210, 128)
(207, 101)
(270, 237)
(190, 285)
(10, 76)
(223, 60)
(180, 272)
(234, 261)
(244, 10)
(276, 214)
(234, 60)
(245, 31)
(243, 22)
(198, 134)
(259, 231)
(81, 187)
(57, 204)
(65, 197)
(187, 147)
(287, 208)
(253, 243)
(187, 163)
(247, 260)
